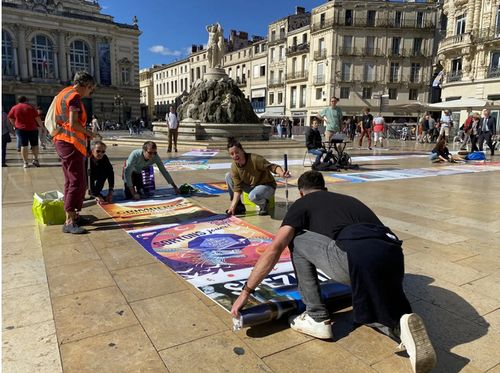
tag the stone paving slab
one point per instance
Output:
(99, 302)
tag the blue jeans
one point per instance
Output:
(318, 153)
(312, 251)
(259, 194)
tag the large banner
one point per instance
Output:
(104, 55)
(150, 213)
(215, 253)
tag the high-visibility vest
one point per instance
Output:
(66, 132)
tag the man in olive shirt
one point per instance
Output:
(250, 173)
(332, 117)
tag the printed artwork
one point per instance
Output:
(205, 153)
(186, 164)
(146, 213)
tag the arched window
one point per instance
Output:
(7, 55)
(42, 57)
(79, 57)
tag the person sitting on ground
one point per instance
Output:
(343, 238)
(314, 143)
(253, 174)
(441, 153)
(100, 170)
(136, 162)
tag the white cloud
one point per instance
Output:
(160, 49)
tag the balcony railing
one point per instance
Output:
(493, 72)
(371, 52)
(320, 55)
(327, 23)
(347, 51)
(297, 49)
(345, 78)
(241, 81)
(395, 53)
(280, 39)
(384, 22)
(297, 75)
(276, 83)
(487, 33)
(454, 76)
(456, 40)
(394, 78)
(319, 80)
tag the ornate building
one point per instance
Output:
(470, 51)
(44, 42)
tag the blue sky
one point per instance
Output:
(170, 27)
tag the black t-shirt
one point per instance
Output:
(327, 213)
(367, 121)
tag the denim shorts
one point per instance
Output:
(26, 137)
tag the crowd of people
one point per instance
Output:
(324, 230)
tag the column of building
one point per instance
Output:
(23, 63)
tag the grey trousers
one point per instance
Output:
(258, 194)
(312, 251)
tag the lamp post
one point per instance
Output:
(119, 104)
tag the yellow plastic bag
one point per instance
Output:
(48, 208)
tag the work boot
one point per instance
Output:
(304, 323)
(415, 340)
(264, 210)
(73, 229)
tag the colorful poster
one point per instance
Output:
(147, 213)
(211, 249)
(220, 187)
(205, 153)
(187, 164)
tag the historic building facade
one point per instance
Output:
(377, 54)
(470, 51)
(45, 42)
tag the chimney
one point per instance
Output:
(300, 10)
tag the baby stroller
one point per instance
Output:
(335, 158)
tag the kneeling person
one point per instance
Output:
(136, 162)
(342, 237)
(100, 170)
(250, 173)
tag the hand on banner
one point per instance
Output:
(240, 303)
(136, 197)
(99, 200)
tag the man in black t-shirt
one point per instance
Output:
(314, 143)
(343, 238)
(366, 127)
(100, 170)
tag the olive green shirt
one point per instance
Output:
(256, 171)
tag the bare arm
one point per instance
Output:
(75, 124)
(264, 265)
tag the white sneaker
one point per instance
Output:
(304, 323)
(417, 343)
(26, 165)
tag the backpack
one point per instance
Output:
(50, 119)
(475, 156)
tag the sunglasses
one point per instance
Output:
(151, 153)
(100, 151)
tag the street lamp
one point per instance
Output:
(119, 104)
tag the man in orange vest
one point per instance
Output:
(71, 146)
